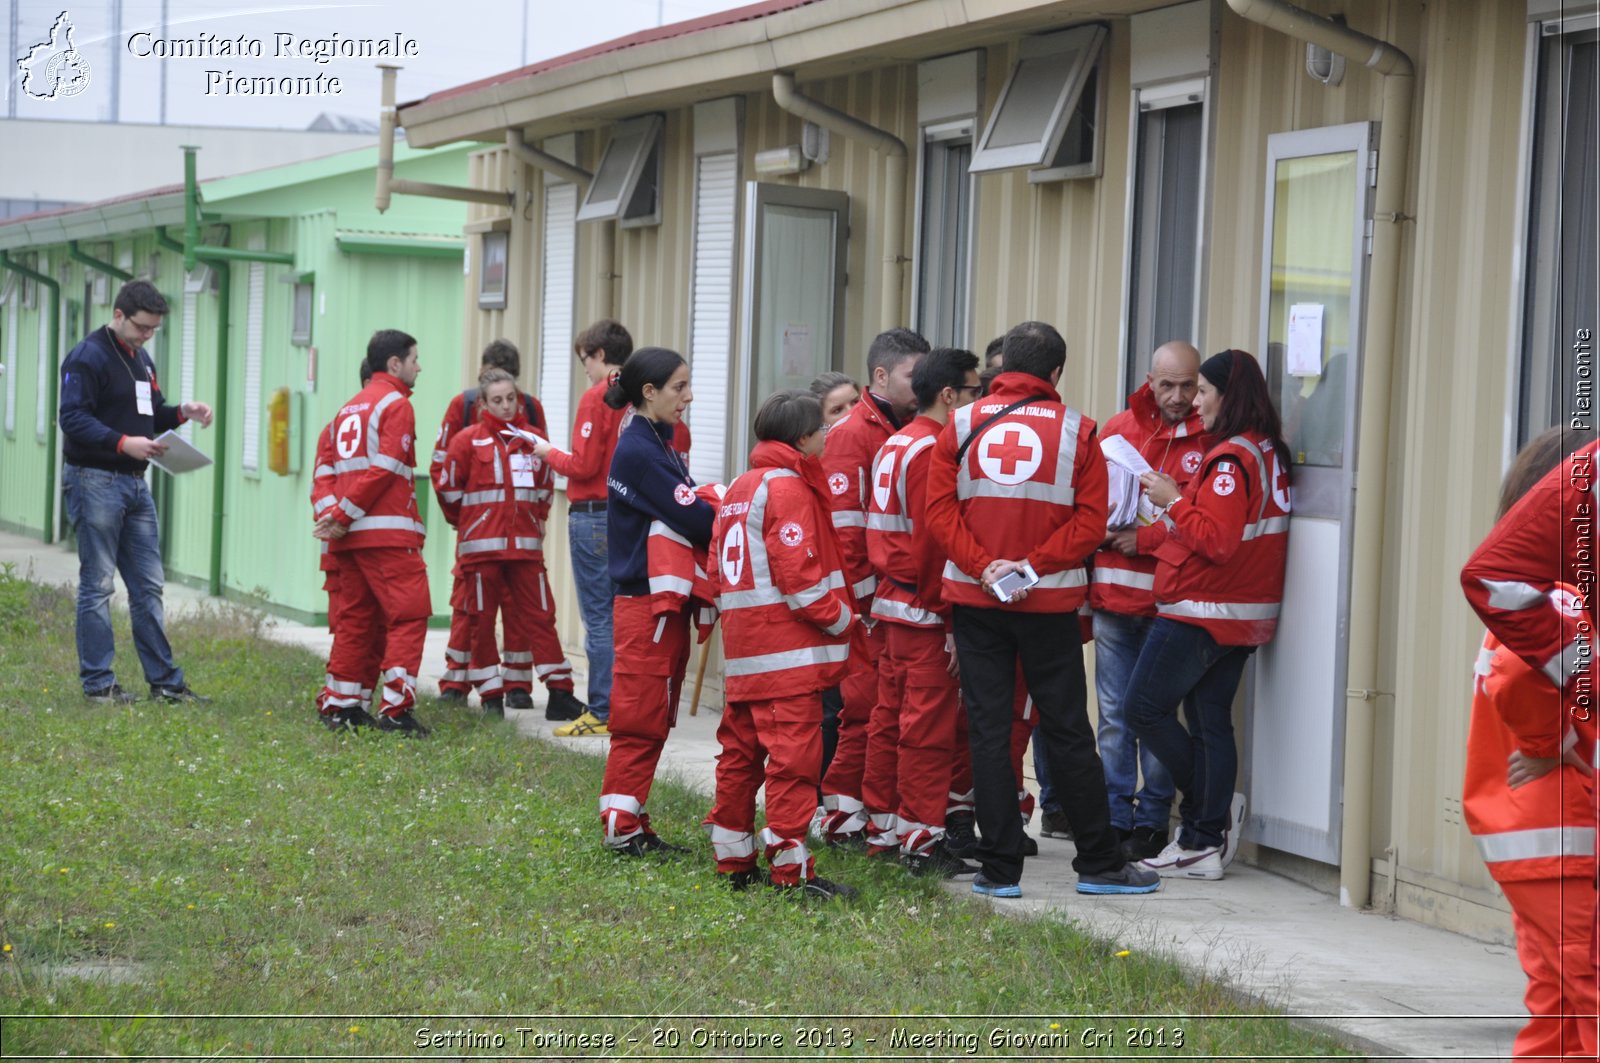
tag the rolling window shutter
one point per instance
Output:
(254, 322)
(556, 309)
(711, 312)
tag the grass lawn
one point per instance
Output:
(237, 861)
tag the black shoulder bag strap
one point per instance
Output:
(469, 399)
(961, 451)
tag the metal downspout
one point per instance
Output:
(95, 264)
(894, 172)
(1377, 392)
(53, 394)
(388, 183)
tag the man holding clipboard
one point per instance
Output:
(111, 411)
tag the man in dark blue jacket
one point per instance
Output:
(111, 412)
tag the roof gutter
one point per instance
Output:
(894, 171)
(388, 183)
(1372, 447)
(53, 393)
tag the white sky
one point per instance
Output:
(458, 42)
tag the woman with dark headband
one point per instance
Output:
(1219, 582)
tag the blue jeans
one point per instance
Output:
(1118, 638)
(115, 520)
(1182, 663)
(586, 535)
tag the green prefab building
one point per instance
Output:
(289, 271)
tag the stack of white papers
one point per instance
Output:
(180, 456)
(1128, 506)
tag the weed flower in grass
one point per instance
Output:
(1124, 954)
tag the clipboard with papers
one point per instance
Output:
(1127, 504)
(180, 457)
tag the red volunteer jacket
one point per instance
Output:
(786, 615)
(322, 496)
(1546, 539)
(678, 569)
(595, 431)
(853, 443)
(908, 559)
(458, 414)
(1221, 567)
(1546, 828)
(375, 458)
(1119, 583)
(1031, 486)
(495, 492)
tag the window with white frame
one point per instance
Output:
(1163, 266)
(1042, 102)
(714, 272)
(1560, 296)
(303, 312)
(492, 269)
(943, 239)
(627, 183)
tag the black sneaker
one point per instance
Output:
(820, 889)
(739, 881)
(646, 844)
(1129, 878)
(939, 861)
(1054, 825)
(495, 707)
(1144, 843)
(405, 724)
(111, 695)
(1030, 845)
(350, 719)
(519, 699)
(177, 695)
(453, 696)
(960, 834)
(563, 705)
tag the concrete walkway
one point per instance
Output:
(1397, 989)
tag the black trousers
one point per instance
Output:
(989, 642)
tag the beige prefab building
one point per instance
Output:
(1390, 206)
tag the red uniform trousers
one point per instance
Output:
(1556, 942)
(345, 694)
(652, 654)
(777, 743)
(384, 601)
(841, 787)
(919, 710)
(532, 645)
(465, 665)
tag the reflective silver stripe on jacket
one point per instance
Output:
(1568, 661)
(783, 660)
(1220, 610)
(664, 530)
(889, 609)
(1061, 492)
(351, 510)
(373, 418)
(450, 496)
(1072, 577)
(849, 518)
(483, 498)
(865, 587)
(323, 470)
(755, 545)
(326, 502)
(345, 465)
(1122, 577)
(769, 595)
(841, 625)
(529, 494)
(1534, 844)
(888, 522)
(900, 486)
(731, 844)
(394, 465)
(481, 546)
(362, 524)
(525, 542)
(1512, 595)
(1269, 526)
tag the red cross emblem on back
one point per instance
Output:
(1010, 451)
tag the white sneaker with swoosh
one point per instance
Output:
(1177, 862)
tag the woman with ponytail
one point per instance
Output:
(1219, 582)
(648, 483)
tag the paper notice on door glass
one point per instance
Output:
(1305, 339)
(795, 360)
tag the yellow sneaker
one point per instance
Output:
(586, 726)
